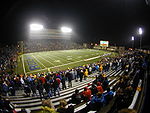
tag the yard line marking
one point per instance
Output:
(64, 59)
(58, 57)
(65, 64)
(46, 60)
(39, 62)
(74, 58)
(23, 65)
(56, 60)
(53, 58)
(69, 56)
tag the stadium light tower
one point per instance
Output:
(36, 27)
(66, 29)
(140, 32)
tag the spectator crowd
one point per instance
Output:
(50, 45)
(8, 58)
(95, 95)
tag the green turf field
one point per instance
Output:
(57, 60)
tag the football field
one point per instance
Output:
(38, 62)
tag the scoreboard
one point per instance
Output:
(104, 43)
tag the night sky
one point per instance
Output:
(91, 20)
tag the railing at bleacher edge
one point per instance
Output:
(141, 98)
(134, 101)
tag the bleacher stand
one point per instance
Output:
(93, 97)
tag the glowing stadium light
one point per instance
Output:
(132, 38)
(66, 29)
(140, 31)
(36, 27)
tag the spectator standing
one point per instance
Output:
(81, 75)
(105, 83)
(27, 90)
(85, 74)
(63, 81)
(47, 88)
(56, 87)
(5, 88)
(58, 81)
(101, 68)
(69, 76)
(33, 87)
(76, 75)
(40, 89)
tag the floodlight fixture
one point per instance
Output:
(132, 38)
(36, 27)
(66, 29)
(132, 41)
(140, 31)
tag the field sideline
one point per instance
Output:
(58, 60)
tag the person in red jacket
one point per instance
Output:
(86, 94)
(43, 80)
(99, 88)
(58, 80)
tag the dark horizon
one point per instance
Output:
(92, 21)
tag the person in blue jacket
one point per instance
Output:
(108, 95)
(97, 101)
